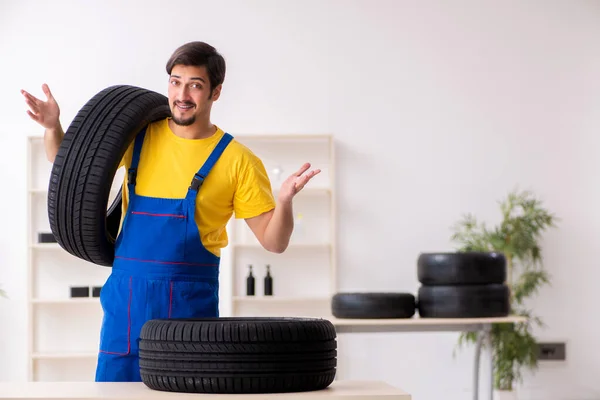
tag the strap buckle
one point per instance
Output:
(197, 181)
(132, 174)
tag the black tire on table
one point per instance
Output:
(373, 305)
(238, 355)
(86, 164)
(469, 301)
(461, 268)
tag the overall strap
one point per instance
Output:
(210, 162)
(135, 160)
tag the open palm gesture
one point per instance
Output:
(45, 113)
(295, 182)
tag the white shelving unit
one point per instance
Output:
(304, 276)
(64, 332)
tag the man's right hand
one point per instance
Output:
(46, 113)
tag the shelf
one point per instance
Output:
(281, 307)
(77, 300)
(46, 246)
(307, 191)
(59, 356)
(56, 246)
(289, 138)
(113, 192)
(278, 299)
(312, 191)
(291, 246)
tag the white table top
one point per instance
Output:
(338, 390)
(426, 321)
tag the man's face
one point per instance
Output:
(189, 94)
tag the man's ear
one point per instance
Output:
(216, 92)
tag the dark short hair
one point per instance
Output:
(200, 54)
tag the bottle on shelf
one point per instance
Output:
(250, 282)
(268, 282)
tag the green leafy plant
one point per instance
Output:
(517, 236)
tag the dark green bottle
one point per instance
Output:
(250, 282)
(268, 282)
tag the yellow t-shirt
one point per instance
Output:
(238, 182)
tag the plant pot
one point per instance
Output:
(505, 395)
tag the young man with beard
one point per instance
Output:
(190, 178)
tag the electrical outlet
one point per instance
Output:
(554, 351)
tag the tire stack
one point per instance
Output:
(462, 285)
(238, 355)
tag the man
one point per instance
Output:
(167, 252)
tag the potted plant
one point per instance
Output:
(518, 236)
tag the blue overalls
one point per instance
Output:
(161, 270)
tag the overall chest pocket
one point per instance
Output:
(157, 236)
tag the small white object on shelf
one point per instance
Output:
(277, 172)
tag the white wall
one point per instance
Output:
(439, 108)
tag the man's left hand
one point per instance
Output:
(295, 182)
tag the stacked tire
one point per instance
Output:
(238, 355)
(462, 285)
(373, 305)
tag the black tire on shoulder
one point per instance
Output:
(238, 355)
(373, 305)
(86, 164)
(469, 301)
(461, 268)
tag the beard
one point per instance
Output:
(181, 121)
(184, 122)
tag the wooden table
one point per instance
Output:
(481, 325)
(338, 390)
